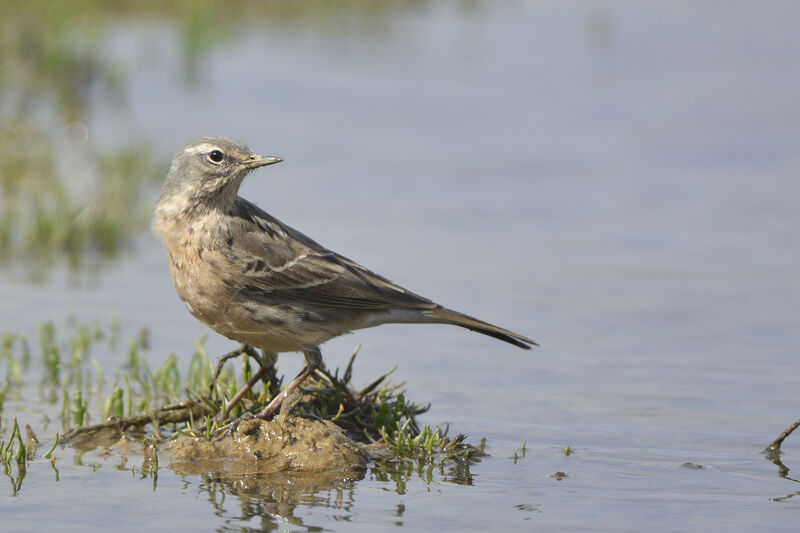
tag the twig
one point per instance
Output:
(776, 444)
(169, 414)
(773, 451)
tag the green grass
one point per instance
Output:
(61, 199)
(45, 218)
(13, 457)
(85, 396)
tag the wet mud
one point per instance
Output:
(290, 444)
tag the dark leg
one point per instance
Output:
(313, 361)
(243, 349)
(267, 369)
(270, 377)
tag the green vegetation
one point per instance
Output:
(378, 412)
(14, 453)
(61, 197)
(67, 199)
(45, 215)
(166, 402)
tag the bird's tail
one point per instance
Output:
(446, 316)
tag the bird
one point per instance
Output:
(257, 281)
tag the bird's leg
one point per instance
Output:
(313, 362)
(244, 390)
(270, 377)
(266, 371)
(243, 349)
(252, 352)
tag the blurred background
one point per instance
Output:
(615, 179)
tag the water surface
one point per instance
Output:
(617, 181)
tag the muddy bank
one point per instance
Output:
(290, 444)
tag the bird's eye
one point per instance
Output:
(215, 156)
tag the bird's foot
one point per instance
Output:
(269, 411)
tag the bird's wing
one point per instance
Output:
(281, 262)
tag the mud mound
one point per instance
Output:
(290, 444)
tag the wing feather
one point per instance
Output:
(282, 263)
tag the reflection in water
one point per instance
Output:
(456, 471)
(268, 502)
(774, 456)
(785, 498)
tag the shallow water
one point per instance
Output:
(617, 181)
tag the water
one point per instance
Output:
(616, 180)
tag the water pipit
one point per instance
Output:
(257, 281)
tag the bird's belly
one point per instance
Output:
(258, 320)
(282, 326)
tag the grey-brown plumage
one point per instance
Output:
(259, 282)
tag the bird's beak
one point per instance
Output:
(255, 161)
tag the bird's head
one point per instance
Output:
(209, 171)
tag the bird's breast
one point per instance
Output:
(203, 277)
